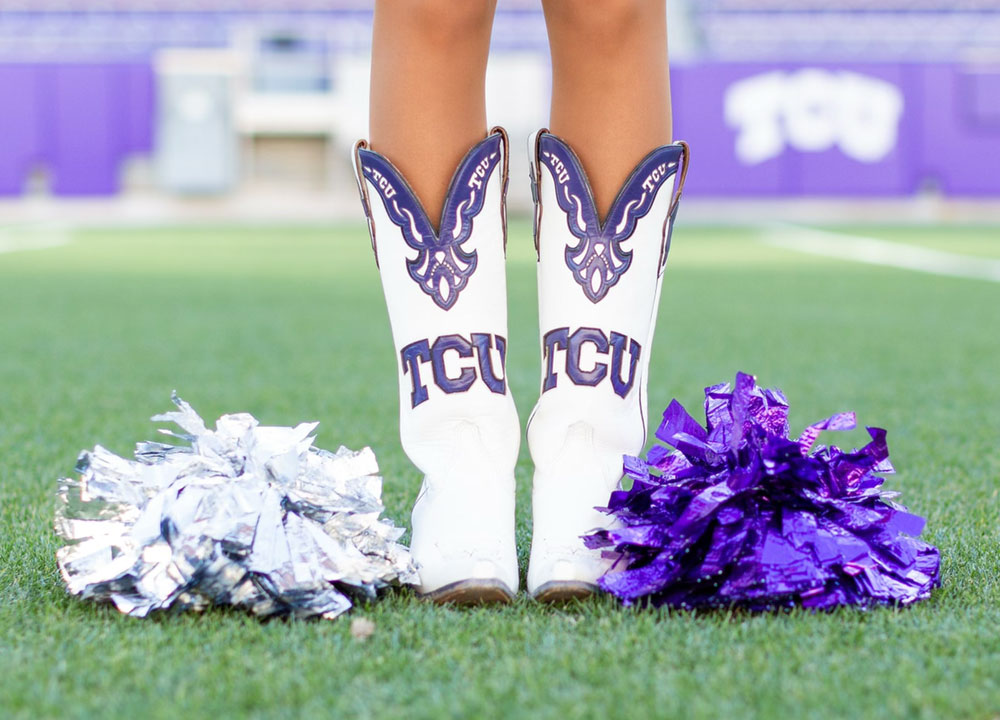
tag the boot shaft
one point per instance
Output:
(445, 291)
(446, 294)
(599, 283)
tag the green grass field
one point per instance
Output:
(289, 324)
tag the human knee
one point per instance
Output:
(445, 21)
(596, 21)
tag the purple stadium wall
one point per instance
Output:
(844, 129)
(886, 129)
(79, 121)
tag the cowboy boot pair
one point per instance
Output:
(598, 289)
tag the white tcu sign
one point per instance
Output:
(813, 110)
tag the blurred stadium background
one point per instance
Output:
(185, 166)
(157, 111)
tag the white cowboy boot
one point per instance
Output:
(447, 300)
(598, 291)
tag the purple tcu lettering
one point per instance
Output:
(560, 339)
(421, 352)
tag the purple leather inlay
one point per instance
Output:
(442, 267)
(598, 260)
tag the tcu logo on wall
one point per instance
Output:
(813, 110)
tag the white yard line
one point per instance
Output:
(36, 236)
(880, 252)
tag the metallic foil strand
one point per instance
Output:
(740, 515)
(245, 515)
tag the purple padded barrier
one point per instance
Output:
(961, 129)
(20, 125)
(871, 129)
(139, 108)
(87, 128)
(784, 129)
(836, 172)
(78, 120)
(699, 118)
(817, 129)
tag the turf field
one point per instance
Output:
(289, 324)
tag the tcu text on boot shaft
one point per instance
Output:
(476, 363)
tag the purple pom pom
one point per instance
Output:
(741, 515)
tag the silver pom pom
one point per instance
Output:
(247, 515)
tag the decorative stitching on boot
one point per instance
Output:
(442, 267)
(598, 260)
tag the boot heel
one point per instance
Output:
(468, 593)
(558, 592)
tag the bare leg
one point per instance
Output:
(610, 86)
(428, 88)
(428, 108)
(611, 104)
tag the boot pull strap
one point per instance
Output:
(668, 223)
(363, 190)
(504, 177)
(685, 158)
(535, 173)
